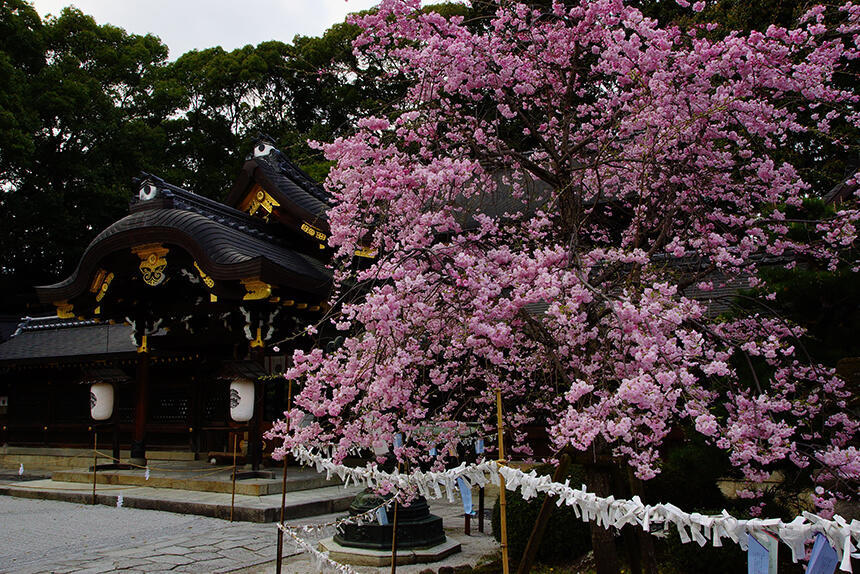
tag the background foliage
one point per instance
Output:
(84, 108)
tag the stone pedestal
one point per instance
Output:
(367, 557)
(416, 527)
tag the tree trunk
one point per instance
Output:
(599, 477)
(629, 536)
(646, 541)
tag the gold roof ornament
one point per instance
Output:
(256, 289)
(152, 262)
(101, 283)
(208, 281)
(366, 252)
(259, 199)
(258, 341)
(65, 310)
(314, 232)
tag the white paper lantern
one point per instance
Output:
(241, 401)
(101, 401)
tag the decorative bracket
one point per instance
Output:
(152, 262)
(259, 199)
(258, 341)
(256, 289)
(315, 233)
(140, 329)
(64, 309)
(208, 281)
(101, 283)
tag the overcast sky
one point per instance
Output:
(197, 24)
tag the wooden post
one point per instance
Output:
(502, 504)
(95, 460)
(598, 476)
(138, 443)
(280, 559)
(481, 509)
(394, 541)
(255, 437)
(233, 496)
(115, 421)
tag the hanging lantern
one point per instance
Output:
(101, 401)
(241, 400)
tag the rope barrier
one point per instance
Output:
(842, 535)
(161, 468)
(321, 560)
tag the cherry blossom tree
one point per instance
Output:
(561, 209)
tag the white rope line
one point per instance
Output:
(606, 511)
(358, 519)
(322, 562)
(429, 484)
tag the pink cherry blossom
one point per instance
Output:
(561, 207)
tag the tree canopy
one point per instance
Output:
(84, 108)
(560, 205)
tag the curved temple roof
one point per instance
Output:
(227, 244)
(303, 199)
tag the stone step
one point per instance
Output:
(299, 504)
(54, 458)
(200, 479)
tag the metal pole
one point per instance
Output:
(502, 505)
(95, 460)
(233, 496)
(280, 558)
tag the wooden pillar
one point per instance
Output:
(138, 443)
(114, 419)
(196, 414)
(255, 437)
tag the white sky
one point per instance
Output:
(197, 24)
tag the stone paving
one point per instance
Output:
(50, 536)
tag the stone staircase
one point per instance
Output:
(174, 483)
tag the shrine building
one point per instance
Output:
(169, 305)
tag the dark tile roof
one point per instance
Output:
(502, 201)
(178, 198)
(57, 338)
(304, 200)
(222, 243)
(291, 180)
(843, 190)
(300, 198)
(228, 243)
